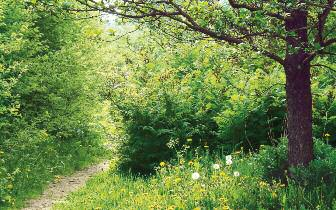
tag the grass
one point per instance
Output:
(35, 169)
(172, 188)
(221, 185)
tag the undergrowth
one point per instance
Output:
(236, 181)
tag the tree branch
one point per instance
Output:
(322, 18)
(254, 8)
(177, 13)
(325, 66)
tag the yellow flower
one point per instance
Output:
(177, 180)
(327, 135)
(189, 140)
(222, 174)
(162, 164)
(197, 208)
(274, 195)
(223, 200)
(206, 146)
(214, 177)
(182, 161)
(190, 163)
(263, 184)
(235, 97)
(57, 178)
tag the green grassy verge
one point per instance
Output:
(35, 169)
(244, 184)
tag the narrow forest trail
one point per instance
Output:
(58, 190)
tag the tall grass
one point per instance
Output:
(237, 181)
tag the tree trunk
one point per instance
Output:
(298, 91)
(299, 111)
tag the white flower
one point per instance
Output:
(228, 159)
(216, 166)
(195, 176)
(236, 174)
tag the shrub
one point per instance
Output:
(48, 98)
(206, 96)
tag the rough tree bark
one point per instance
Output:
(298, 91)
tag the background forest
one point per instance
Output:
(169, 106)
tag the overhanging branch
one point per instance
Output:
(142, 10)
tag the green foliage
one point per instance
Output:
(219, 186)
(49, 97)
(314, 185)
(205, 92)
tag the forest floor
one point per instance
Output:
(58, 190)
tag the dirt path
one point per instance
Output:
(58, 190)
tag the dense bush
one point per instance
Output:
(205, 93)
(311, 187)
(49, 97)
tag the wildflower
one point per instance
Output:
(190, 163)
(214, 177)
(223, 200)
(262, 184)
(228, 159)
(195, 176)
(197, 208)
(182, 161)
(327, 135)
(206, 146)
(189, 140)
(236, 174)
(162, 164)
(222, 174)
(235, 97)
(274, 195)
(216, 166)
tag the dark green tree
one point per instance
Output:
(290, 32)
